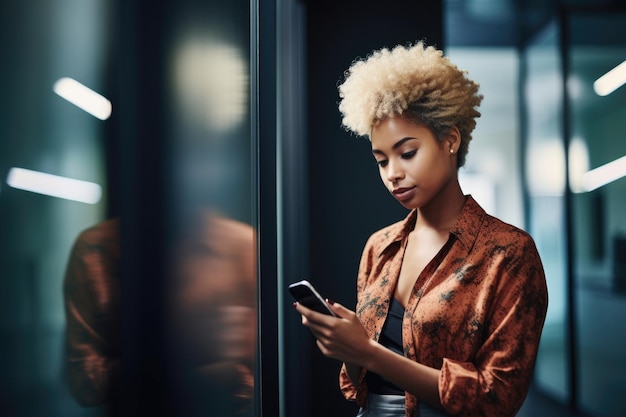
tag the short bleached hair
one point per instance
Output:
(414, 81)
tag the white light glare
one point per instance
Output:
(604, 174)
(546, 168)
(83, 97)
(54, 186)
(611, 81)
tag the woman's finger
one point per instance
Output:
(339, 309)
(312, 316)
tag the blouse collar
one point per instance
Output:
(465, 228)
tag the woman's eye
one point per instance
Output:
(409, 155)
(382, 163)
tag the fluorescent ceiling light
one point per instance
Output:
(611, 81)
(54, 186)
(83, 97)
(604, 174)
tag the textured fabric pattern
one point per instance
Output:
(476, 311)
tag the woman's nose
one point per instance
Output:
(394, 171)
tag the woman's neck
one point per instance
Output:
(442, 211)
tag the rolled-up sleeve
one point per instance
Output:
(496, 382)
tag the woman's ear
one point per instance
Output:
(453, 140)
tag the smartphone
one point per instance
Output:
(305, 294)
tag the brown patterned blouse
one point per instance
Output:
(476, 311)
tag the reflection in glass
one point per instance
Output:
(213, 306)
(51, 141)
(546, 177)
(83, 97)
(610, 81)
(597, 46)
(212, 285)
(92, 307)
(54, 185)
(60, 258)
(211, 315)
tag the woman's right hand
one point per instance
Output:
(342, 337)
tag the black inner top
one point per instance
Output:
(391, 338)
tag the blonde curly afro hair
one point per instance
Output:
(415, 81)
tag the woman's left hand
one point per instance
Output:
(342, 337)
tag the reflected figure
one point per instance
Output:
(92, 300)
(211, 314)
(214, 313)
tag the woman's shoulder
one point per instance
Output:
(476, 221)
(497, 226)
(499, 235)
(477, 228)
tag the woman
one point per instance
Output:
(450, 301)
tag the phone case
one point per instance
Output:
(305, 294)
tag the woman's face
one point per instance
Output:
(414, 166)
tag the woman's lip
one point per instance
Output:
(403, 193)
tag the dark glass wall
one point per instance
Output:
(127, 209)
(46, 144)
(188, 288)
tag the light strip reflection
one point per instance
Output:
(604, 174)
(54, 186)
(611, 81)
(83, 97)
